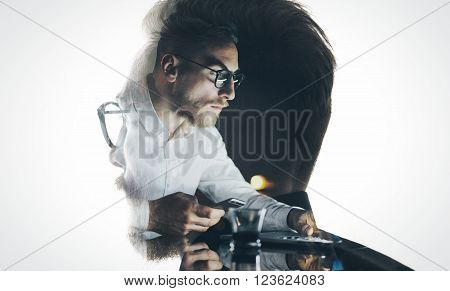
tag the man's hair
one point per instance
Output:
(187, 32)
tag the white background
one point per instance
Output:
(384, 157)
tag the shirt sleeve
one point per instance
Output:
(223, 180)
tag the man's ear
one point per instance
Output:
(169, 67)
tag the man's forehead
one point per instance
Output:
(225, 57)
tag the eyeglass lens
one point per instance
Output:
(223, 77)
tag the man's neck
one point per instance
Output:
(165, 110)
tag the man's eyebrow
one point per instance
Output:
(213, 61)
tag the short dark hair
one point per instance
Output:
(189, 32)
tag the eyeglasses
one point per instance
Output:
(112, 121)
(223, 77)
(112, 127)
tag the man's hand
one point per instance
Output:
(306, 262)
(198, 257)
(302, 221)
(180, 213)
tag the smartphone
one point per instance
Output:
(229, 203)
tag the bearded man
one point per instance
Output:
(168, 146)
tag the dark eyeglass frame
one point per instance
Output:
(229, 75)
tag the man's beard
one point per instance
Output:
(194, 110)
(199, 119)
(206, 119)
(197, 114)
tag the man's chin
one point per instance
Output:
(206, 120)
(201, 118)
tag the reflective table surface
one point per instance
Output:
(215, 250)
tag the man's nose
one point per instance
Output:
(227, 91)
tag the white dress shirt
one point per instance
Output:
(156, 166)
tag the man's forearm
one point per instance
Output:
(276, 215)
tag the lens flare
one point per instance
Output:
(259, 182)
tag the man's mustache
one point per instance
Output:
(223, 104)
(200, 105)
